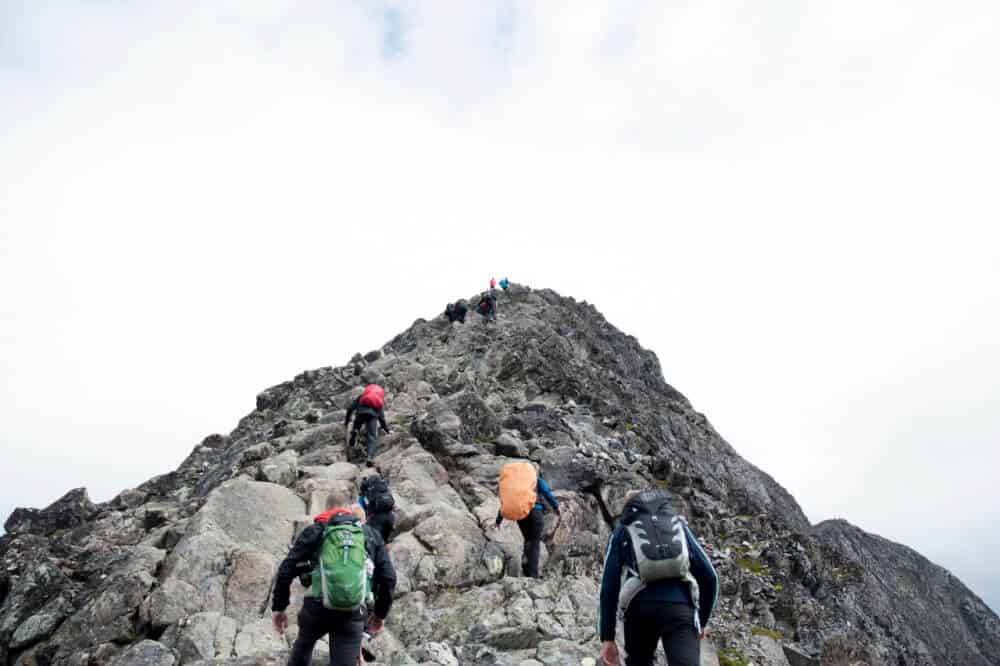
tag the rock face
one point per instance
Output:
(179, 570)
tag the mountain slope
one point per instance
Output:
(178, 570)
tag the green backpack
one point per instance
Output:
(342, 578)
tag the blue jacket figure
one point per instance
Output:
(674, 609)
(504, 284)
(532, 528)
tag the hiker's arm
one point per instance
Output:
(704, 573)
(610, 588)
(383, 580)
(302, 551)
(350, 410)
(381, 420)
(546, 492)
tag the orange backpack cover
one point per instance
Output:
(518, 490)
(373, 396)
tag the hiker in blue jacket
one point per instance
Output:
(675, 610)
(533, 527)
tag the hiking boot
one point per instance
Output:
(369, 462)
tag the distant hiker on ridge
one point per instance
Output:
(669, 589)
(456, 312)
(370, 409)
(487, 306)
(520, 486)
(351, 584)
(504, 284)
(493, 284)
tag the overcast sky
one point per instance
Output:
(793, 203)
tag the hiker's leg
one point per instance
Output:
(531, 529)
(680, 638)
(641, 634)
(312, 627)
(372, 435)
(383, 523)
(346, 633)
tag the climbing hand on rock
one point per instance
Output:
(280, 621)
(609, 654)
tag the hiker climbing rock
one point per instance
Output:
(521, 493)
(351, 583)
(504, 284)
(493, 283)
(370, 414)
(669, 588)
(456, 312)
(487, 306)
(377, 501)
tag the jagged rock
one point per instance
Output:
(69, 511)
(146, 653)
(281, 469)
(189, 557)
(202, 636)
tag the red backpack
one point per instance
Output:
(373, 396)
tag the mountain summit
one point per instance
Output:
(179, 570)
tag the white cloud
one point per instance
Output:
(791, 204)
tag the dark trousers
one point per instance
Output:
(532, 526)
(370, 423)
(648, 623)
(382, 523)
(346, 630)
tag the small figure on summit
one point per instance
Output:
(493, 283)
(520, 486)
(669, 587)
(504, 284)
(351, 583)
(370, 413)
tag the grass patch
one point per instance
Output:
(762, 631)
(730, 657)
(662, 483)
(778, 587)
(750, 564)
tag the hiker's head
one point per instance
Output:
(340, 497)
(647, 495)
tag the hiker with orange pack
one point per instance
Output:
(521, 493)
(370, 408)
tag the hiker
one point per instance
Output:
(370, 409)
(493, 283)
(520, 487)
(487, 306)
(340, 547)
(504, 284)
(377, 501)
(669, 587)
(456, 312)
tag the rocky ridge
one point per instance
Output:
(179, 570)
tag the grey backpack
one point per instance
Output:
(658, 546)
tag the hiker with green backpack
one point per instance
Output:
(350, 585)
(660, 580)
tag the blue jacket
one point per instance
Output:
(544, 492)
(620, 554)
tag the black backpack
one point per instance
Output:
(376, 493)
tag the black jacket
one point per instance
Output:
(304, 551)
(365, 410)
